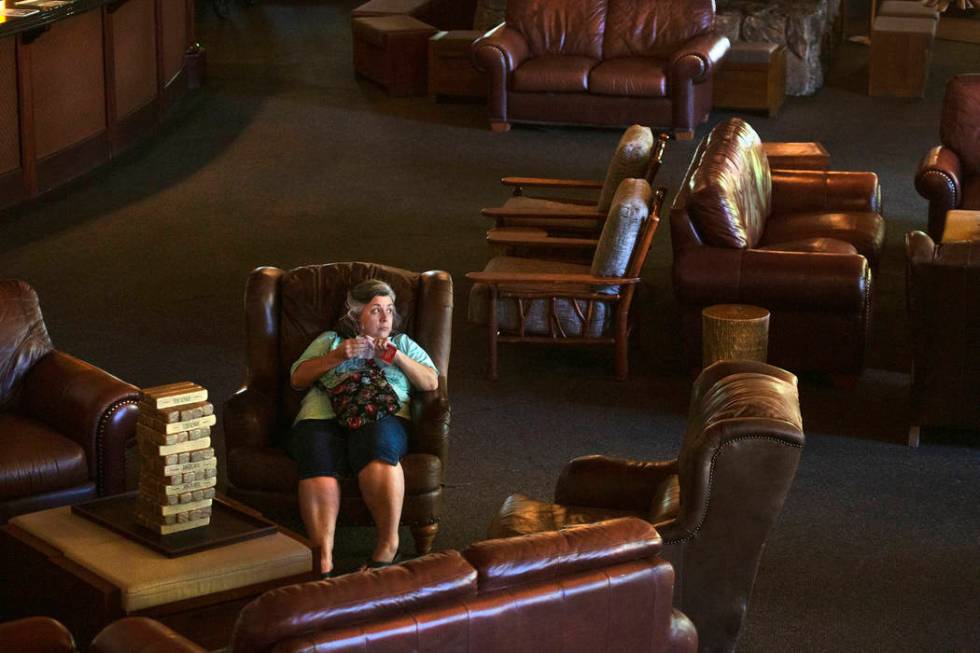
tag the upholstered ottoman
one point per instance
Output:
(451, 69)
(391, 50)
(752, 76)
(900, 52)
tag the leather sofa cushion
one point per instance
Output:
(23, 336)
(818, 245)
(630, 76)
(653, 27)
(730, 192)
(959, 128)
(865, 231)
(554, 74)
(35, 459)
(522, 515)
(559, 27)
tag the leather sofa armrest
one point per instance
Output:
(776, 280)
(88, 405)
(938, 177)
(249, 419)
(919, 247)
(431, 414)
(502, 49)
(798, 191)
(683, 636)
(140, 635)
(36, 635)
(696, 59)
(603, 482)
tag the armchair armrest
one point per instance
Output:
(501, 49)
(36, 635)
(919, 247)
(696, 58)
(545, 278)
(140, 635)
(88, 405)
(249, 419)
(938, 177)
(525, 239)
(531, 214)
(602, 482)
(798, 191)
(431, 414)
(543, 182)
(772, 279)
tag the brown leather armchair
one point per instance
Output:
(284, 312)
(64, 423)
(949, 174)
(544, 592)
(801, 243)
(602, 63)
(944, 317)
(714, 505)
(36, 635)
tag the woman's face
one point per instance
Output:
(377, 318)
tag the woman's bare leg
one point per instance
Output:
(319, 503)
(383, 488)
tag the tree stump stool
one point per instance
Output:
(734, 332)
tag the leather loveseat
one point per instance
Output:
(598, 587)
(602, 62)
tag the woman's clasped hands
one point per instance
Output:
(367, 347)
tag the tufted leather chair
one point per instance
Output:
(944, 318)
(64, 423)
(284, 312)
(602, 62)
(545, 592)
(949, 174)
(714, 505)
(801, 243)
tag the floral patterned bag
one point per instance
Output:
(363, 396)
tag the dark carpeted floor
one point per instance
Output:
(284, 159)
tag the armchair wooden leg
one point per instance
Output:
(424, 535)
(492, 334)
(914, 431)
(684, 134)
(499, 126)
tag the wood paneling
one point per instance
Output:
(134, 55)
(9, 123)
(175, 37)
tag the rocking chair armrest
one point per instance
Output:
(544, 278)
(502, 212)
(544, 182)
(503, 237)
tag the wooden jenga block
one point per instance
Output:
(176, 414)
(175, 427)
(174, 394)
(179, 448)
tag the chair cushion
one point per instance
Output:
(630, 209)
(23, 336)
(630, 76)
(571, 318)
(631, 159)
(35, 459)
(730, 192)
(554, 74)
(522, 515)
(959, 128)
(819, 245)
(653, 28)
(865, 231)
(559, 27)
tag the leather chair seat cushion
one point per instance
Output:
(522, 515)
(630, 76)
(269, 469)
(536, 319)
(818, 245)
(554, 74)
(864, 230)
(35, 459)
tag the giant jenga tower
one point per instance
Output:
(178, 470)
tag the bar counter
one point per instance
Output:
(81, 82)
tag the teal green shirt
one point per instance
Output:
(316, 403)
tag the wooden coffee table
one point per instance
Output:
(59, 564)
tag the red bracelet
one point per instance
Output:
(389, 353)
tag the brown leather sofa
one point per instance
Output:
(544, 592)
(714, 504)
(64, 423)
(284, 312)
(944, 317)
(801, 243)
(949, 174)
(602, 62)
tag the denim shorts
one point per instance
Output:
(321, 447)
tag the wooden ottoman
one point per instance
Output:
(451, 70)
(796, 156)
(900, 53)
(907, 9)
(420, 9)
(391, 50)
(752, 76)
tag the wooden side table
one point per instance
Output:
(797, 156)
(391, 50)
(734, 332)
(901, 49)
(961, 225)
(752, 76)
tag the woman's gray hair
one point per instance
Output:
(361, 295)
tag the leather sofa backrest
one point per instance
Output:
(653, 28)
(959, 128)
(565, 27)
(23, 337)
(729, 193)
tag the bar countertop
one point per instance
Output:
(11, 26)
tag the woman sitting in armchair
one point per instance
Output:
(326, 448)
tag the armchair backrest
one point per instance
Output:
(629, 212)
(566, 27)
(959, 128)
(23, 337)
(729, 187)
(630, 160)
(654, 28)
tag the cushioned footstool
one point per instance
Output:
(752, 76)
(391, 50)
(451, 69)
(900, 52)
